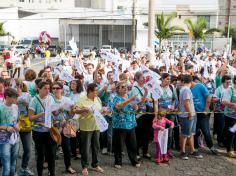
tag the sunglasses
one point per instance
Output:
(123, 87)
(56, 88)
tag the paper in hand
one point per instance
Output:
(233, 129)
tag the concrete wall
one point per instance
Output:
(83, 3)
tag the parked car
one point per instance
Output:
(69, 50)
(2, 47)
(106, 48)
(86, 51)
(20, 49)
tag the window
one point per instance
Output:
(21, 0)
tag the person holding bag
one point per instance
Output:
(24, 125)
(61, 116)
(41, 135)
(144, 122)
(9, 136)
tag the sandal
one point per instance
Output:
(98, 169)
(70, 170)
(85, 172)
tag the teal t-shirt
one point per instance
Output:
(8, 117)
(38, 124)
(31, 87)
(123, 118)
(230, 96)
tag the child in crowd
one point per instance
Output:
(9, 132)
(159, 124)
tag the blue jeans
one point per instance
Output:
(203, 125)
(26, 140)
(187, 127)
(8, 156)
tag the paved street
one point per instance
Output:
(209, 166)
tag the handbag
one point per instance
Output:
(55, 135)
(54, 131)
(69, 130)
(25, 124)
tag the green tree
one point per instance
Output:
(164, 29)
(232, 33)
(2, 31)
(198, 30)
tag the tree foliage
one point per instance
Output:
(232, 33)
(164, 28)
(2, 30)
(198, 30)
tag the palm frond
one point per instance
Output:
(212, 30)
(170, 18)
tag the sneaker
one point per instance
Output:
(165, 159)
(214, 151)
(184, 156)
(117, 166)
(197, 155)
(137, 165)
(104, 151)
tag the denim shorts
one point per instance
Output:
(188, 127)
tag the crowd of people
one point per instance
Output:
(193, 88)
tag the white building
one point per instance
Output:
(38, 4)
(96, 22)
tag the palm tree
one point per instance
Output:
(2, 31)
(164, 28)
(198, 30)
(232, 33)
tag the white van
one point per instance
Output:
(106, 48)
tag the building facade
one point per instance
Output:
(97, 22)
(38, 4)
(227, 12)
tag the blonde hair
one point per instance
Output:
(20, 82)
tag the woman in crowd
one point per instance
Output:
(168, 102)
(61, 116)
(25, 127)
(144, 122)
(229, 100)
(124, 123)
(41, 134)
(105, 94)
(76, 89)
(89, 131)
(30, 77)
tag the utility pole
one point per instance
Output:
(151, 29)
(228, 37)
(228, 22)
(133, 26)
